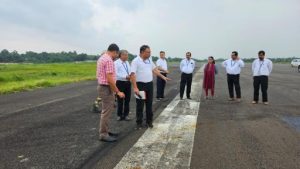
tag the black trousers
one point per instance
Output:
(160, 86)
(186, 79)
(234, 82)
(123, 103)
(260, 81)
(148, 88)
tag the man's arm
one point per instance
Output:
(241, 62)
(161, 69)
(157, 73)
(194, 65)
(270, 66)
(181, 66)
(113, 86)
(224, 64)
(253, 67)
(133, 82)
(133, 77)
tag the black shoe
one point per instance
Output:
(108, 139)
(189, 98)
(113, 134)
(139, 126)
(181, 98)
(150, 125)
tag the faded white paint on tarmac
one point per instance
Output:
(170, 143)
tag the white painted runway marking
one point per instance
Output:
(170, 143)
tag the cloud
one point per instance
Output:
(203, 27)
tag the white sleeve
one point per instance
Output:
(241, 62)
(194, 64)
(253, 66)
(153, 65)
(133, 66)
(129, 67)
(116, 67)
(270, 66)
(158, 63)
(224, 64)
(181, 65)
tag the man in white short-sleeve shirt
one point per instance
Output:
(142, 69)
(162, 66)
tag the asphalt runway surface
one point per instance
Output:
(54, 128)
(232, 135)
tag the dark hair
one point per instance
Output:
(261, 52)
(235, 53)
(162, 52)
(189, 53)
(113, 48)
(214, 62)
(143, 48)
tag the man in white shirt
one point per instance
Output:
(142, 70)
(233, 68)
(162, 66)
(187, 67)
(261, 69)
(123, 83)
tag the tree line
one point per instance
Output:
(45, 57)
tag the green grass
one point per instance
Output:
(22, 77)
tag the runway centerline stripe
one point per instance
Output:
(170, 143)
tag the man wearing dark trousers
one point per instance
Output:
(142, 69)
(261, 69)
(233, 68)
(162, 66)
(187, 67)
(123, 83)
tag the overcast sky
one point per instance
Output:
(214, 27)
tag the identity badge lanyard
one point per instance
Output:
(187, 63)
(232, 64)
(126, 68)
(261, 64)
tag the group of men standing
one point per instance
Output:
(261, 69)
(116, 77)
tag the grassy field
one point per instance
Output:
(22, 77)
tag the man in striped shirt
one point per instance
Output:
(107, 89)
